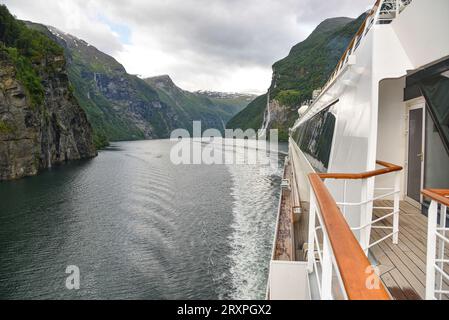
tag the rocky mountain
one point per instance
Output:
(231, 102)
(41, 122)
(306, 68)
(121, 106)
(213, 112)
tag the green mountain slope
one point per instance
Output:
(251, 117)
(231, 103)
(193, 106)
(310, 63)
(306, 68)
(121, 106)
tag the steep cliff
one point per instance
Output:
(306, 68)
(41, 123)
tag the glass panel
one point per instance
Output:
(315, 137)
(437, 159)
(436, 92)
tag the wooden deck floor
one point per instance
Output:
(291, 235)
(403, 266)
(284, 250)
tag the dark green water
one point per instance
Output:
(138, 227)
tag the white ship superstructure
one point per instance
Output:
(363, 211)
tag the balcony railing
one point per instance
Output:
(391, 9)
(367, 203)
(335, 257)
(437, 239)
(383, 12)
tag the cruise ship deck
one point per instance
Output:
(376, 134)
(402, 267)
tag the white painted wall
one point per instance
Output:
(289, 281)
(423, 30)
(352, 133)
(391, 137)
(420, 35)
(303, 169)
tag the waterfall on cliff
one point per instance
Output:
(266, 119)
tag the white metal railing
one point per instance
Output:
(367, 205)
(336, 261)
(437, 244)
(364, 208)
(321, 260)
(383, 12)
(391, 9)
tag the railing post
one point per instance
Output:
(344, 197)
(397, 199)
(326, 278)
(365, 218)
(441, 249)
(312, 225)
(431, 250)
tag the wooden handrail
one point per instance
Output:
(439, 195)
(387, 168)
(349, 255)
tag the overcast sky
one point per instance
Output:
(222, 45)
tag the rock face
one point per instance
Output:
(34, 137)
(119, 106)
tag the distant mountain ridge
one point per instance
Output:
(121, 106)
(232, 102)
(194, 106)
(226, 95)
(306, 68)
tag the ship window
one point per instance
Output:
(315, 138)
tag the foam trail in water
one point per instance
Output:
(255, 192)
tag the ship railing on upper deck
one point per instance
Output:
(437, 238)
(335, 258)
(367, 203)
(383, 12)
(391, 9)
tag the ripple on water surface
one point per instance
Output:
(138, 227)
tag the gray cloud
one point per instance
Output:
(199, 42)
(252, 31)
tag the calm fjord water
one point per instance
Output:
(138, 227)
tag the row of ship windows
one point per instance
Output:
(314, 138)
